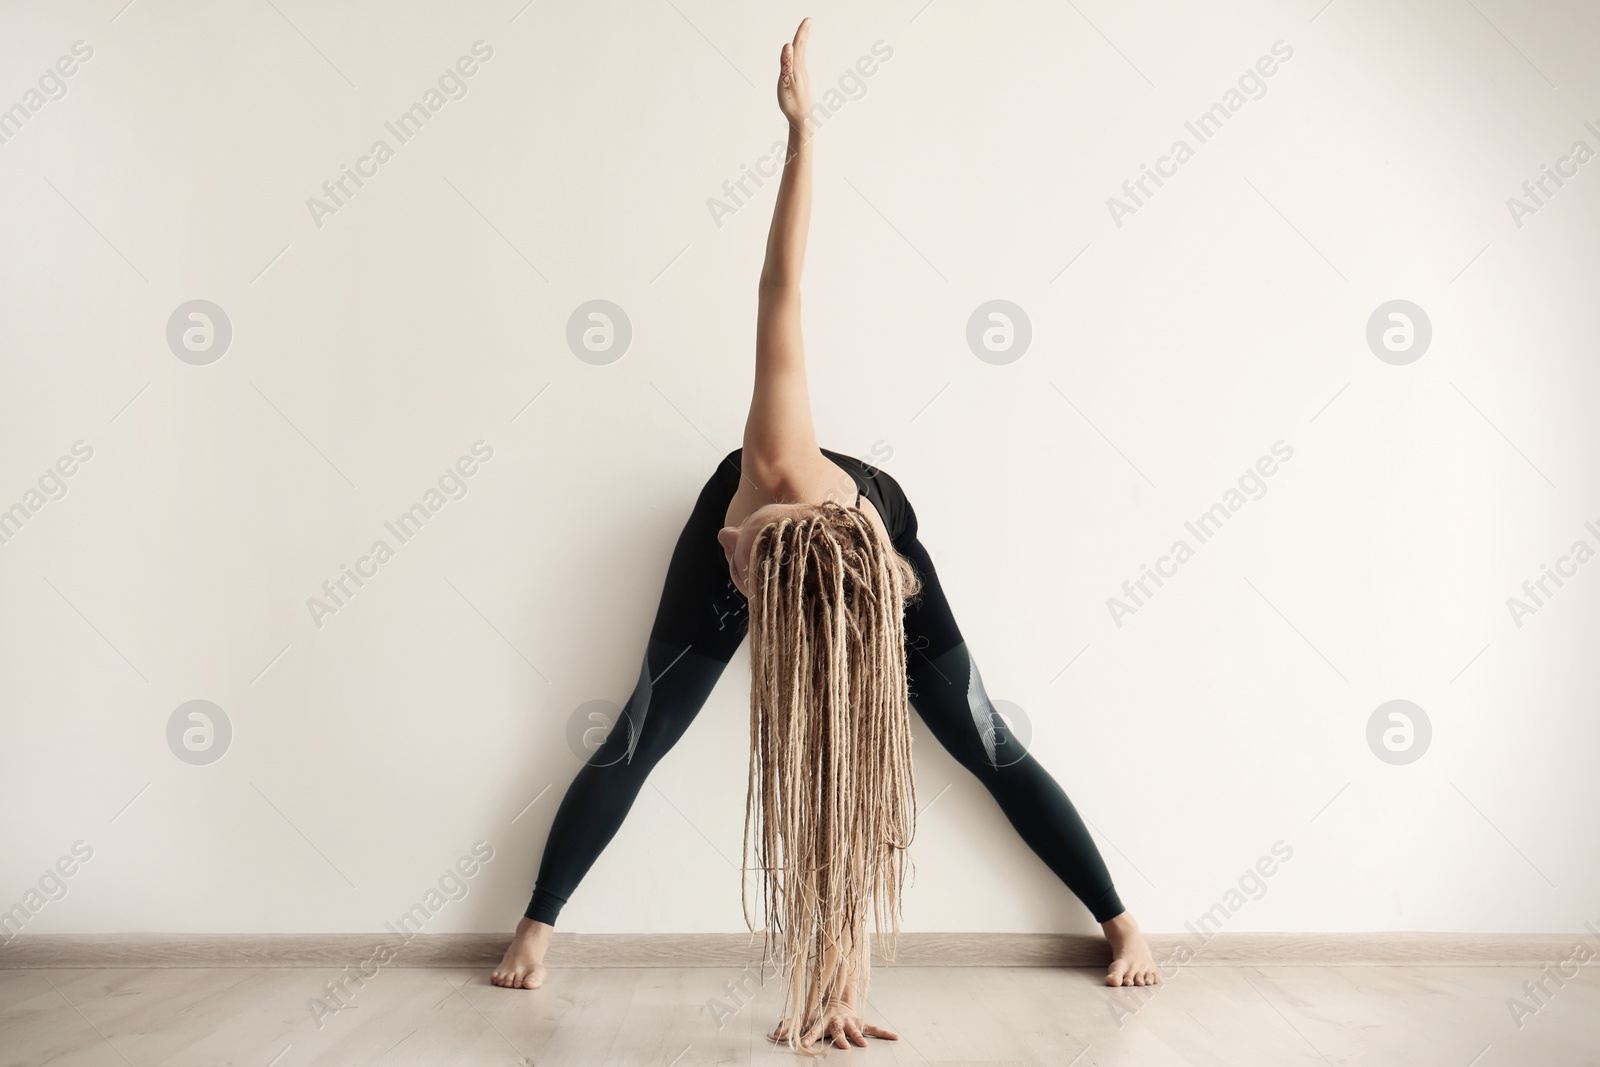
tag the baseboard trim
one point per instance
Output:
(740, 950)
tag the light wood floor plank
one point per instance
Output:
(1203, 1016)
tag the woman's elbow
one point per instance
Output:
(779, 285)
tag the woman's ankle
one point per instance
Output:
(535, 932)
(1121, 923)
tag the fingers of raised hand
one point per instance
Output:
(800, 36)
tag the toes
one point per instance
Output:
(1122, 973)
(514, 978)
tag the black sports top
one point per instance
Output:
(884, 492)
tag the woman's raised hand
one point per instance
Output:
(794, 85)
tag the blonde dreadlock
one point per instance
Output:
(831, 804)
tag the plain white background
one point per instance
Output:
(1168, 354)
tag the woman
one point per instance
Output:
(819, 560)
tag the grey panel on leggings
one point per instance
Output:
(982, 709)
(637, 708)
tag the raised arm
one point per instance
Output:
(779, 438)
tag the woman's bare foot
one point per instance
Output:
(523, 964)
(1131, 961)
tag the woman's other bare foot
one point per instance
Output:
(523, 965)
(1131, 961)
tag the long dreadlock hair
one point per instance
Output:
(831, 804)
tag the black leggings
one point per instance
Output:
(699, 624)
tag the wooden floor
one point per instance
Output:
(947, 1016)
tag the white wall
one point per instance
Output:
(370, 352)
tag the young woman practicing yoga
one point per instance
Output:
(815, 555)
